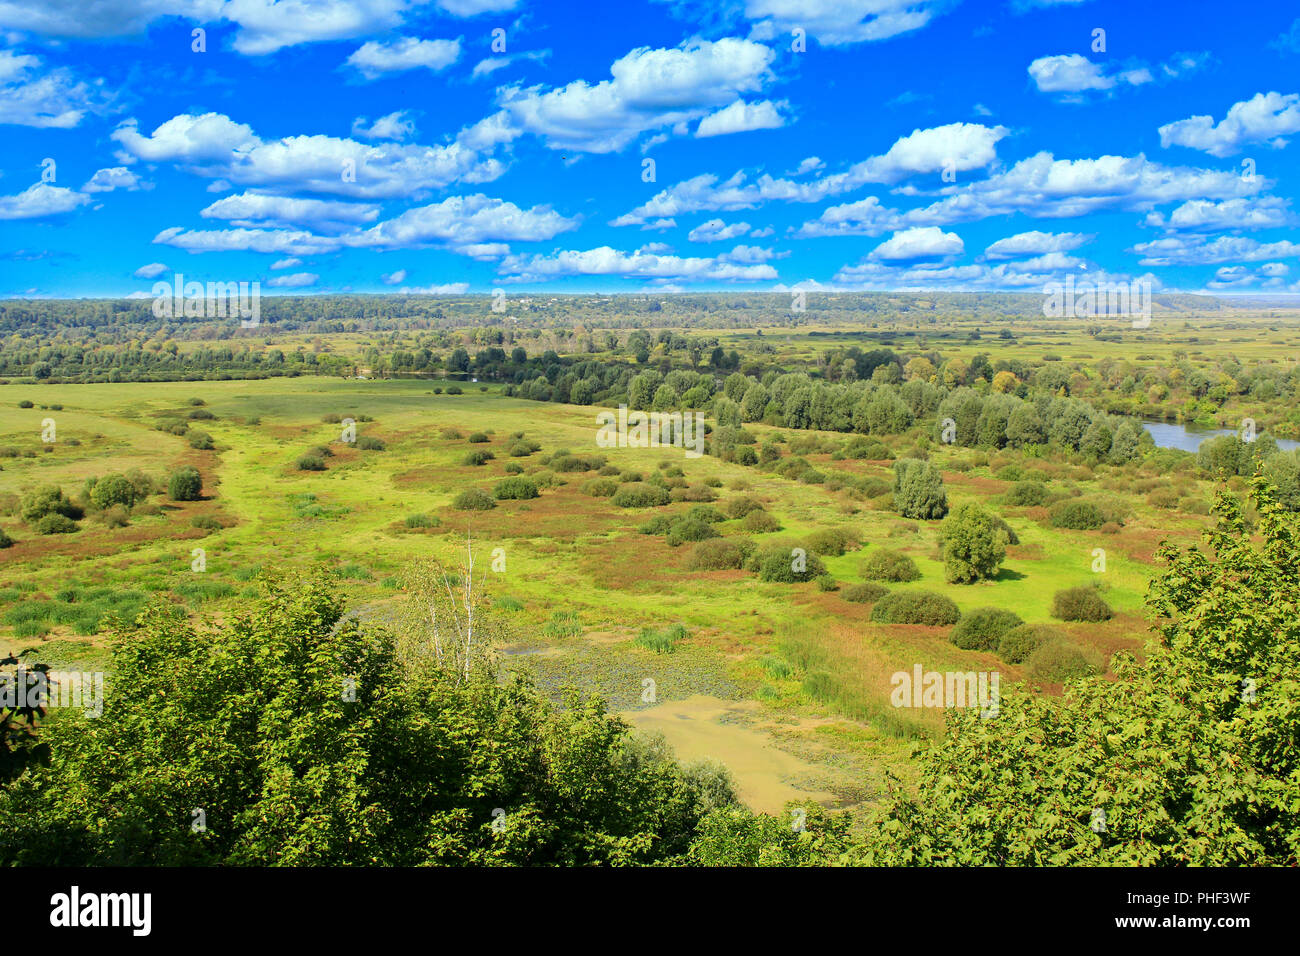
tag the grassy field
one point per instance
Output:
(787, 684)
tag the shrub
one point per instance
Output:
(777, 562)
(477, 438)
(919, 490)
(455, 390)
(367, 443)
(1017, 644)
(599, 487)
(513, 468)
(887, 565)
(760, 522)
(720, 554)
(982, 629)
(522, 449)
(421, 521)
(1061, 661)
(200, 414)
(185, 484)
(518, 488)
(1077, 515)
(25, 403)
(1027, 494)
(640, 495)
(55, 523)
(5, 540)
(864, 593)
(202, 441)
(564, 463)
(476, 458)
(1080, 604)
(473, 499)
(832, 542)
(827, 583)
(113, 490)
(915, 607)
(739, 507)
(311, 463)
(690, 528)
(450, 434)
(973, 545)
(47, 501)
(206, 522)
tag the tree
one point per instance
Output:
(919, 490)
(48, 500)
(296, 735)
(1187, 758)
(113, 490)
(185, 484)
(974, 544)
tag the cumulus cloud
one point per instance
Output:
(1035, 243)
(740, 117)
(259, 210)
(374, 59)
(31, 95)
(1196, 215)
(116, 177)
(956, 146)
(841, 22)
(212, 144)
(394, 278)
(715, 230)
(1264, 118)
(396, 126)
(39, 201)
(1201, 250)
(295, 280)
(910, 245)
(286, 263)
(152, 271)
(650, 89)
(605, 261)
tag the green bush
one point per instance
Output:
(721, 554)
(600, 487)
(827, 583)
(760, 522)
(5, 540)
(477, 438)
(311, 463)
(919, 490)
(202, 441)
(972, 543)
(47, 501)
(367, 443)
(421, 521)
(640, 495)
(476, 458)
(982, 629)
(915, 607)
(739, 507)
(55, 523)
(886, 565)
(777, 562)
(832, 542)
(1080, 604)
(185, 484)
(1077, 516)
(1061, 661)
(1027, 494)
(473, 499)
(690, 528)
(518, 488)
(113, 490)
(1017, 644)
(522, 449)
(864, 593)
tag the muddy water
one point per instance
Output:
(701, 727)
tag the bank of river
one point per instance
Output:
(1170, 435)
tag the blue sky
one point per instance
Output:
(469, 145)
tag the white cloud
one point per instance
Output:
(499, 61)
(286, 263)
(259, 210)
(373, 59)
(1072, 73)
(604, 261)
(750, 254)
(650, 89)
(1200, 250)
(214, 145)
(152, 271)
(395, 126)
(394, 278)
(115, 177)
(296, 280)
(46, 99)
(1196, 215)
(809, 165)
(840, 22)
(959, 146)
(740, 117)
(1035, 243)
(448, 288)
(715, 230)
(1264, 118)
(928, 242)
(39, 201)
